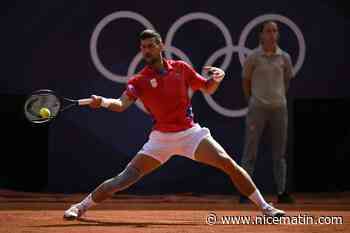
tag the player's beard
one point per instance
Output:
(152, 60)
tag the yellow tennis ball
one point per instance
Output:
(45, 113)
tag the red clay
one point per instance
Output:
(29, 213)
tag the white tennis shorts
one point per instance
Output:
(162, 146)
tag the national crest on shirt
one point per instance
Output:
(153, 82)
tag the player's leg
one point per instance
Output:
(279, 129)
(139, 166)
(211, 153)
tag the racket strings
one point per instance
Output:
(36, 102)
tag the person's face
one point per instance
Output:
(151, 50)
(270, 33)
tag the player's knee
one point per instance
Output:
(122, 181)
(232, 168)
(226, 163)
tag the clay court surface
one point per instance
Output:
(33, 212)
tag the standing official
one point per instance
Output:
(266, 75)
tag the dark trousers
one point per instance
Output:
(257, 119)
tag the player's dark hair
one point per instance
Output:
(149, 33)
(262, 26)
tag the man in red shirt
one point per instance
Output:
(163, 87)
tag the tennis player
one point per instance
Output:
(163, 85)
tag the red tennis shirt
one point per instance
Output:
(165, 95)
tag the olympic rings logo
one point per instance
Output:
(227, 50)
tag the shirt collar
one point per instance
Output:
(278, 51)
(167, 67)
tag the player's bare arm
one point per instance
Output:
(217, 75)
(116, 105)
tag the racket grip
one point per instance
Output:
(84, 101)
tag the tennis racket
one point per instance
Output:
(51, 102)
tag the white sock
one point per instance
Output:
(88, 202)
(258, 199)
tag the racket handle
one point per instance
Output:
(84, 101)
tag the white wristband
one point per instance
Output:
(106, 102)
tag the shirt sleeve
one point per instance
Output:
(288, 68)
(194, 80)
(248, 67)
(132, 89)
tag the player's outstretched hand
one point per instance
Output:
(216, 73)
(96, 101)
